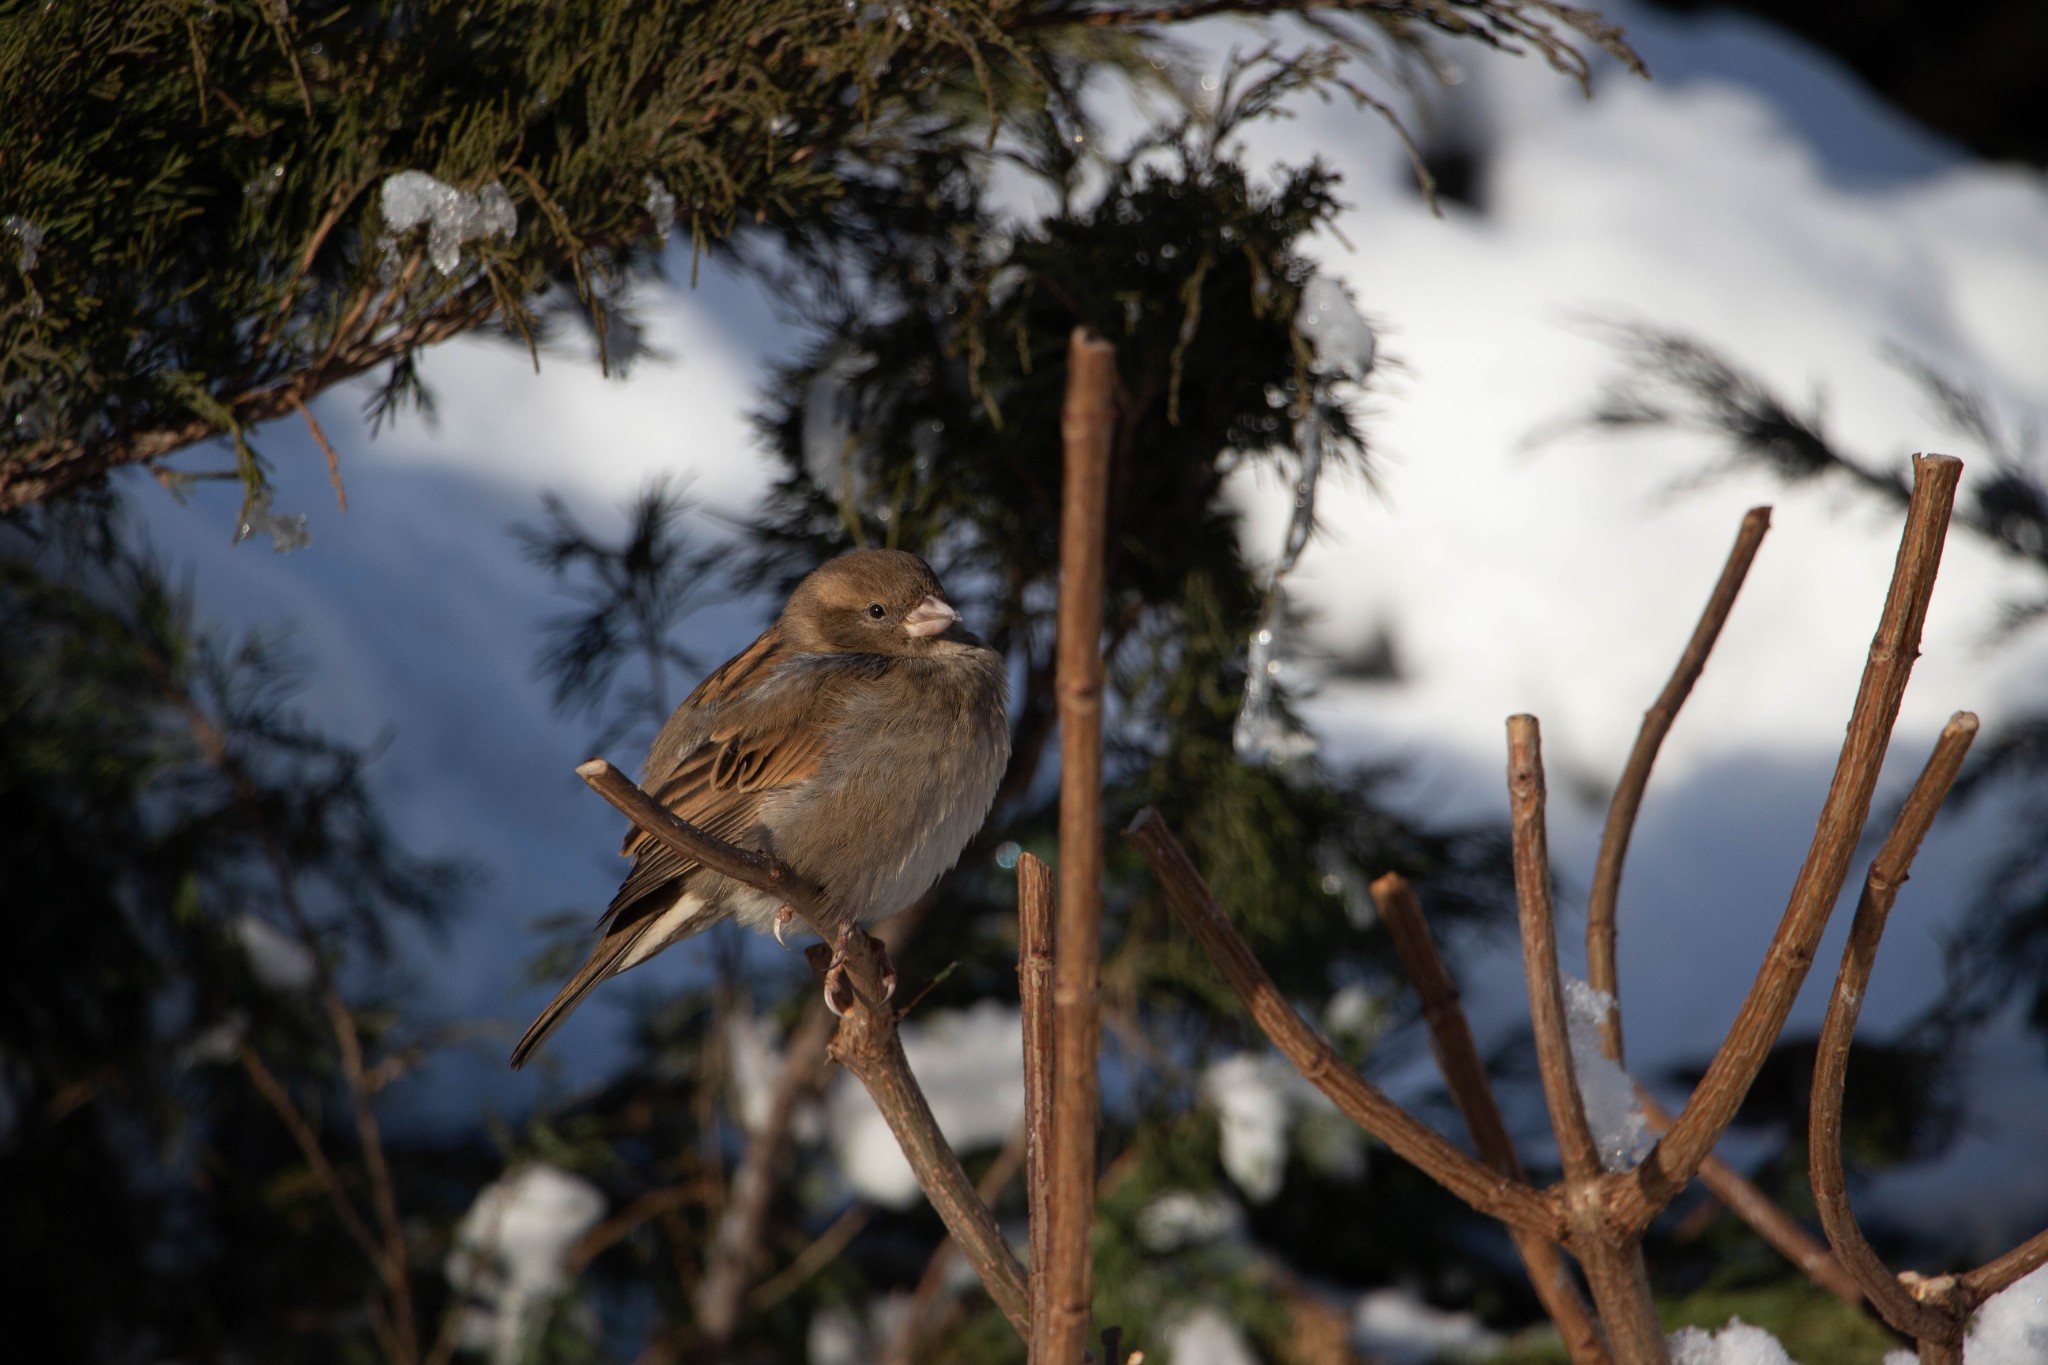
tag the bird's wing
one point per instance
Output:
(753, 742)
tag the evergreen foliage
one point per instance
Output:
(198, 192)
(189, 867)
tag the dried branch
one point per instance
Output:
(1457, 1056)
(1612, 1257)
(1672, 1164)
(1635, 776)
(383, 1196)
(866, 1043)
(274, 1093)
(737, 1252)
(1888, 871)
(925, 1301)
(1034, 991)
(326, 449)
(1492, 1193)
(1575, 1143)
(1059, 1326)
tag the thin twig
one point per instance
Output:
(614, 1229)
(1888, 870)
(1059, 1329)
(1496, 1195)
(1457, 1056)
(1635, 777)
(822, 1251)
(326, 449)
(1674, 1161)
(268, 1086)
(866, 1043)
(2021, 1261)
(383, 1195)
(737, 1252)
(1034, 991)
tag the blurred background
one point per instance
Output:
(295, 850)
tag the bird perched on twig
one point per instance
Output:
(859, 740)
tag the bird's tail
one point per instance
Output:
(634, 936)
(601, 965)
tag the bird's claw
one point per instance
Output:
(835, 973)
(782, 922)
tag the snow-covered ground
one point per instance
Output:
(1752, 195)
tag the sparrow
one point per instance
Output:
(859, 740)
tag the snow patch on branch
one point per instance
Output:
(1620, 1128)
(452, 216)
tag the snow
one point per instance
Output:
(2012, 1328)
(1206, 1337)
(1341, 337)
(1249, 1094)
(1261, 1102)
(453, 216)
(507, 1257)
(661, 206)
(279, 962)
(1397, 1326)
(1738, 1343)
(287, 531)
(755, 1055)
(28, 236)
(1185, 1218)
(1620, 1128)
(971, 1065)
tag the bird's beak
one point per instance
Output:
(933, 616)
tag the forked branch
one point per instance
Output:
(1672, 1164)
(1938, 1321)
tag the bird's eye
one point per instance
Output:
(876, 611)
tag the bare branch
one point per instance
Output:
(1888, 871)
(274, 1093)
(867, 1045)
(1677, 1157)
(1457, 1056)
(1612, 1257)
(1059, 1327)
(1496, 1195)
(931, 1293)
(1575, 1144)
(1635, 776)
(326, 449)
(1034, 991)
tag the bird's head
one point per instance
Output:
(874, 602)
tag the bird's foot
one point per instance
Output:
(783, 918)
(835, 974)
